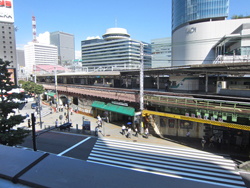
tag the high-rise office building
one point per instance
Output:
(39, 54)
(201, 33)
(7, 33)
(161, 52)
(193, 11)
(116, 51)
(65, 43)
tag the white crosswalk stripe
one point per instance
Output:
(181, 163)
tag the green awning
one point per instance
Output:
(52, 94)
(129, 111)
(98, 104)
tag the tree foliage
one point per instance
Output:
(9, 134)
(239, 16)
(32, 87)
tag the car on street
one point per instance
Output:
(33, 105)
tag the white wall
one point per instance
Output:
(193, 44)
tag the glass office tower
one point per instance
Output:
(193, 11)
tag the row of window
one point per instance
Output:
(10, 57)
(5, 47)
(3, 27)
(4, 32)
(10, 42)
(5, 52)
(9, 37)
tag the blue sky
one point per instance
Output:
(144, 20)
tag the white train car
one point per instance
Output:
(184, 83)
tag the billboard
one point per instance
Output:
(6, 11)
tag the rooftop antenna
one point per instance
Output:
(34, 28)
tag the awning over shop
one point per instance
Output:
(52, 94)
(98, 104)
(129, 111)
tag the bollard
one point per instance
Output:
(77, 128)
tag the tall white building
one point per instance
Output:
(161, 52)
(116, 51)
(39, 54)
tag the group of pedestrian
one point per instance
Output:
(212, 142)
(129, 131)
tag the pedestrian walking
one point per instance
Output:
(56, 123)
(29, 123)
(166, 86)
(123, 129)
(211, 141)
(146, 133)
(96, 131)
(188, 135)
(136, 132)
(203, 142)
(71, 111)
(129, 133)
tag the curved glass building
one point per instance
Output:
(191, 11)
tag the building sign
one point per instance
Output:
(193, 115)
(119, 103)
(6, 11)
(199, 116)
(220, 120)
(191, 30)
(187, 114)
(186, 124)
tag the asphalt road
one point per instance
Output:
(59, 143)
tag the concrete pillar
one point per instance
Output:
(103, 81)
(206, 86)
(112, 82)
(158, 82)
(126, 81)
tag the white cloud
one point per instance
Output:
(97, 37)
(78, 55)
(44, 38)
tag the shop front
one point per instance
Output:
(115, 113)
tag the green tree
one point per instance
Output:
(32, 87)
(9, 134)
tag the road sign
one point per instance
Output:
(55, 96)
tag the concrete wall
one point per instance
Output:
(192, 44)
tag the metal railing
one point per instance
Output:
(231, 59)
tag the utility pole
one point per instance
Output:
(33, 121)
(56, 87)
(141, 83)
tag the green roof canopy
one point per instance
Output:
(52, 94)
(129, 111)
(98, 104)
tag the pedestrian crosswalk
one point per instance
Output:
(190, 164)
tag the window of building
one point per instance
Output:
(11, 56)
(11, 52)
(3, 27)
(10, 47)
(3, 46)
(9, 32)
(4, 42)
(10, 42)
(9, 27)
(9, 37)
(4, 52)
(2, 31)
(5, 56)
(3, 37)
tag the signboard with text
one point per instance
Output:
(6, 11)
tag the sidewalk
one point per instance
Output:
(113, 131)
